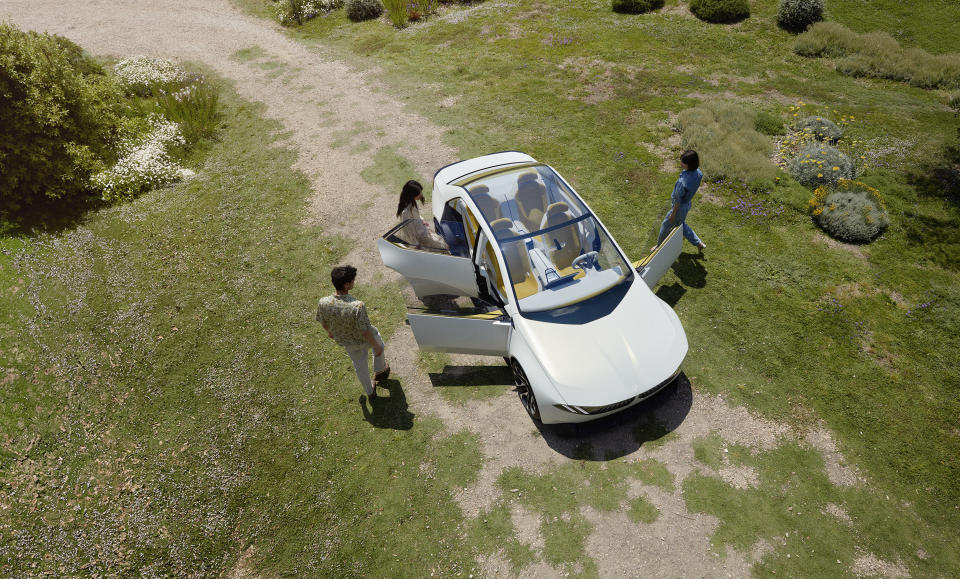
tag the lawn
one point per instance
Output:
(171, 407)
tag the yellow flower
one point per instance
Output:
(819, 174)
(836, 168)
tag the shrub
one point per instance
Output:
(849, 211)
(144, 163)
(636, 6)
(768, 124)
(723, 134)
(397, 11)
(819, 164)
(195, 107)
(797, 15)
(59, 115)
(879, 55)
(820, 127)
(139, 74)
(290, 12)
(360, 10)
(720, 10)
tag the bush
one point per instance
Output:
(290, 12)
(139, 74)
(850, 211)
(819, 164)
(636, 6)
(797, 15)
(144, 163)
(360, 10)
(879, 55)
(768, 124)
(720, 10)
(58, 116)
(723, 134)
(820, 127)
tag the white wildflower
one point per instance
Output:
(144, 163)
(139, 73)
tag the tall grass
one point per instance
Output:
(194, 106)
(879, 55)
(729, 144)
(397, 10)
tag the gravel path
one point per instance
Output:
(337, 120)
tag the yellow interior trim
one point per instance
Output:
(482, 316)
(527, 287)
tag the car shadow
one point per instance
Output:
(472, 376)
(624, 432)
(387, 411)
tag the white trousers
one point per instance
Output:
(359, 356)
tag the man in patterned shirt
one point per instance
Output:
(344, 317)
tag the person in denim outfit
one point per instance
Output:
(682, 196)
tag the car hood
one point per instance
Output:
(612, 358)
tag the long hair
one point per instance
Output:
(408, 196)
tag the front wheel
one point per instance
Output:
(524, 391)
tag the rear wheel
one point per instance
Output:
(524, 391)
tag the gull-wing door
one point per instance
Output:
(430, 271)
(652, 267)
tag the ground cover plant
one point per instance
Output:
(636, 6)
(725, 134)
(878, 54)
(756, 341)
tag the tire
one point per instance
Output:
(525, 391)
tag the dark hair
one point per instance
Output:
(408, 196)
(691, 159)
(342, 275)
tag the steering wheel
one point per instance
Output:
(585, 261)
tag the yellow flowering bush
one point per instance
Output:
(849, 211)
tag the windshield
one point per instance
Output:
(556, 252)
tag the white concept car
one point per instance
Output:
(548, 288)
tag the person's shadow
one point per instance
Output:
(388, 411)
(692, 274)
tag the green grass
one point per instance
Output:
(597, 107)
(169, 400)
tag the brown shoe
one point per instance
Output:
(380, 376)
(372, 396)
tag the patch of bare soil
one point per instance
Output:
(855, 250)
(337, 119)
(869, 565)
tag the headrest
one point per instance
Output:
(527, 177)
(501, 224)
(479, 190)
(556, 208)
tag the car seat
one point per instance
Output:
(563, 244)
(489, 207)
(518, 260)
(531, 200)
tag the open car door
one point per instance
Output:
(652, 267)
(429, 271)
(462, 330)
